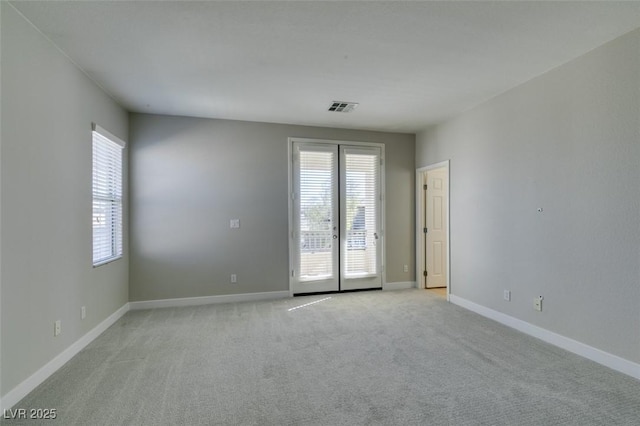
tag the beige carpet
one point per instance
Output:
(379, 358)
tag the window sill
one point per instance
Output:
(106, 261)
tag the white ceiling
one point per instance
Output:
(409, 64)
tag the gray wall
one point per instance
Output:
(569, 142)
(189, 176)
(47, 109)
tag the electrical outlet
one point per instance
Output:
(234, 223)
(83, 312)
(507, 295)
(57, 328)
(234, 278)
(405, 268)
(537, 303)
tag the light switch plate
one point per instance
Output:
(234, 223)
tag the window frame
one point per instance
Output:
(111, 194)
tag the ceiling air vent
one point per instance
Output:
(341, 106)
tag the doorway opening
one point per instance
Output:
(432, 226)
(336, 216)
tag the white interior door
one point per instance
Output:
(336, 217)
(436, 237)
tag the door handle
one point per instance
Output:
(335, 237)
(375, 235)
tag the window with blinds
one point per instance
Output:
(107, 196)
(361, 198)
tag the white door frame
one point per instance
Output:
(420, 214)
(291, 236)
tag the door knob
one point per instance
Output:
(335, 237)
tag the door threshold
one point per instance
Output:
(319, 293)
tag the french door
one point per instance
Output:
(336, 217)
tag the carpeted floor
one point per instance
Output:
(393, 358)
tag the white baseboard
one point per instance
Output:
(399, 285)
(601, 357)
(208, 300)
(20, 391)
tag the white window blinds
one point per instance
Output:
(362, 198)
(107, 196)
(317, 194)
